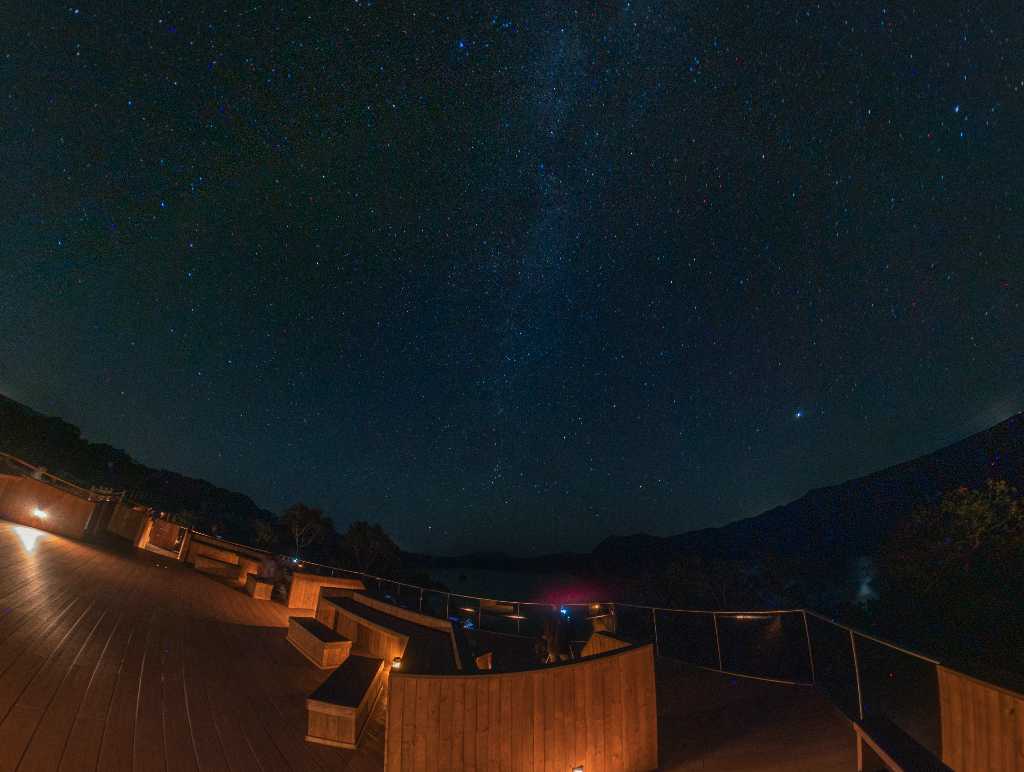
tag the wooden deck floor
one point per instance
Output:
(127, 661)
(122, 660)
(717, 723)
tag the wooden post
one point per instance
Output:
(654, 620)
(421, 600)
(810, 651)
(718, 642)
(856, 673)
(447, 605)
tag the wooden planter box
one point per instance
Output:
(318, 643)
(340, 708)
(260, 589)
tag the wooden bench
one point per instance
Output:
(318, 643)
(889, 747)
(339, 709)
(304, 591)
(215, 566)
(258, 587)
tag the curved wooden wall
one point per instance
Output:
(66, 513)
(982, 725)
(598, 712)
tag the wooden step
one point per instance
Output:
(339, 709)
(318, 643)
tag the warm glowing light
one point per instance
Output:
(514, 616)
(595, 606)
(39, 513)
(578, 769)
(396, 663)
(28, 536)
(750, 616)
(467, 609)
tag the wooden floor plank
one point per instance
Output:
(15, 735)
(47, 745)
(117, 748)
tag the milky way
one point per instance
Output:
(514, 276)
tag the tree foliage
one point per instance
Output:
(305, 525)
(953, 575)
(263, 535)
(969, 535)
(368, 548)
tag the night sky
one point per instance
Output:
(514, 276)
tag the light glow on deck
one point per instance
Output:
(37, 512)
(28, 536)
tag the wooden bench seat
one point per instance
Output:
(258, 587)
(339, 709)
(216, 567)
(318, 643)
(891, 747)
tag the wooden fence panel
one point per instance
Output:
(982, 725)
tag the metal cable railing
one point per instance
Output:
(41, 474)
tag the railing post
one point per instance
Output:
(856, 674)
(447, 605)
(421, 600)
(810, 651)
(654, 620)
(718, 641)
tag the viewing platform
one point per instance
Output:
(128, 642)
(125, 660)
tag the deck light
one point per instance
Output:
(396, 663)
(515, 616)
(578, 769)
(39, 513)
(467, 609)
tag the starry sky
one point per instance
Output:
(515, 276)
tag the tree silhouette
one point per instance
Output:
(306, 525)
(368, 548)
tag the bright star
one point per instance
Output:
(798, 414)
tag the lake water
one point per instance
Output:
(517, 585)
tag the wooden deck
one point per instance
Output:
(122, 660)
(116, 660)
(717, 723)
